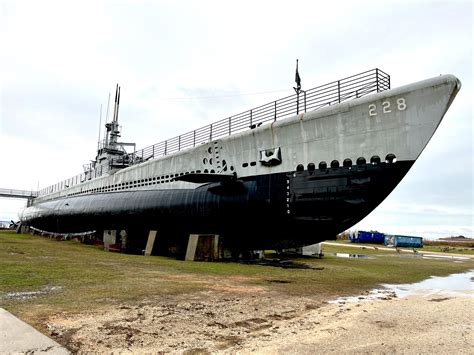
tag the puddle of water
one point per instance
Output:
(346, 255)
(455, 284)
(453, 258)
(452, 285)
(373, 295)
(450, 257)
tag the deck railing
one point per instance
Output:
(355, 86)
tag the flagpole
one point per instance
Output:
(297, 102)
(297, 88)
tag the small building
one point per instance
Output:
(366, 237)
(403, 241)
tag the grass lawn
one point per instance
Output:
(85, 277)
(459, 249)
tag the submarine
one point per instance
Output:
(292, 172)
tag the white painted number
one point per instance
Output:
(401, 106)
(372, 109)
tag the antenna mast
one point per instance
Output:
(118, 104)
(100, 124)
(107, 118)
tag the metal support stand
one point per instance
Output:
(23, 229)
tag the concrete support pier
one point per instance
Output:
(203, 247)
(152, 236)
(110, 238)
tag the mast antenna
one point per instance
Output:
(118, 104)
(115, 103)
(107, 114)
(100, 124)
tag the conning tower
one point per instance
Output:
(111, 154)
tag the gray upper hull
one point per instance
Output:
(400, 121)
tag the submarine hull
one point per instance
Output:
(269, 211)
(280, 183)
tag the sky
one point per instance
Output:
(185, 64)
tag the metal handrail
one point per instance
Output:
(355, 86)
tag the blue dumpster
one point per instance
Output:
(366, 237)
(403, 241)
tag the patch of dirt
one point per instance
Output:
(270, 322)
(206, 321)
(237, 288)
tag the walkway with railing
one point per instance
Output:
(26, 194)
(371, 81)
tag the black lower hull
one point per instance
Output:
(267, 211)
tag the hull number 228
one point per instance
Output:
(387, 108)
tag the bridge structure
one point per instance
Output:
(28, 195)
(24, 194)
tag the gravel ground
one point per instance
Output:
(251, 319)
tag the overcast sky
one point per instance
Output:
(185, 64)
